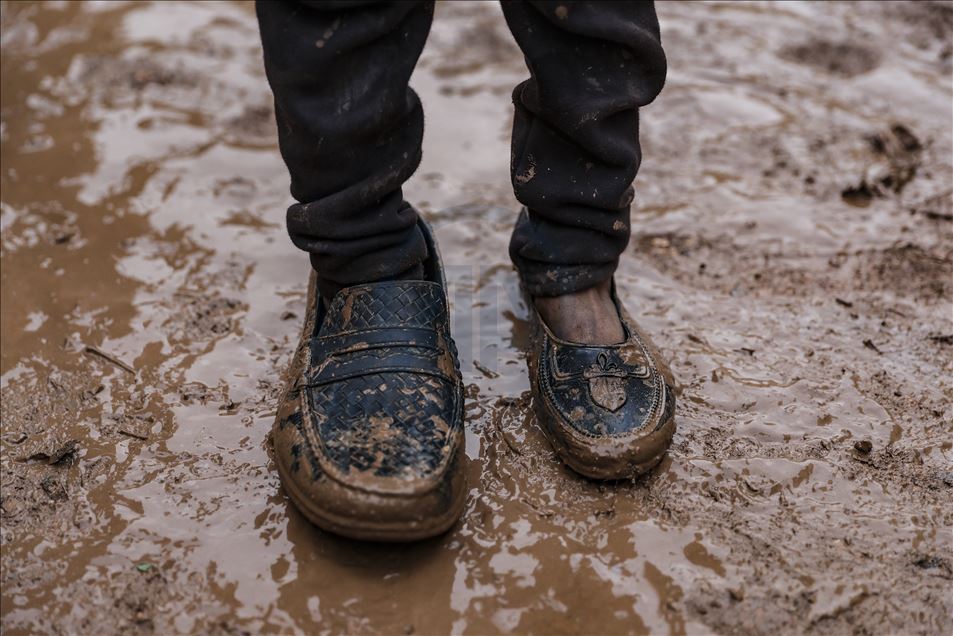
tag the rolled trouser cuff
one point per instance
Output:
(546, 279)
(358, 258)
(557, 275)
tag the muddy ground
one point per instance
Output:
(792, 255)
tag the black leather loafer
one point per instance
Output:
(369, 437)
(609, 411)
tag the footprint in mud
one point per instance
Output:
(843, 59)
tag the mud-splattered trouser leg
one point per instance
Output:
(575, 137)
(350, 130)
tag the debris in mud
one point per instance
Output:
(92, 470)
(203, 315)
(64, 237)
(198, 393)
(486, 371)
(289, 315)
(933, 562)
(946, 339)
(15, 437)
(842, 59)
(863, 446)
(859, 195)
(899, 140)
(138, 426)
(498, 424)
(898, 150)
(89, 394)
(109, 358)
(54, 454)
(870, 345)
(902, 150)
(53, 487)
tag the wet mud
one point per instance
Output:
(792, 255)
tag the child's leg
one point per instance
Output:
(350, 131)
(575, 136)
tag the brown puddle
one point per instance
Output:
(150, 299)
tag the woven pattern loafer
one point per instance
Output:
(369, 437)
(608, 410)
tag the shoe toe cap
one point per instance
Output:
(612, 444)
(365, 504)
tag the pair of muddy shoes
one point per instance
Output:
(369, 438)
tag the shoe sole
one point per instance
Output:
(366, 530)
(641, 464)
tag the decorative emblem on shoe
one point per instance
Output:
(606, 383)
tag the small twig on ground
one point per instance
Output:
(870, 345)
(488, 373)
(542, 513)
(498, 423)
(105, 356)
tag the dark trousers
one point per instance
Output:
(350, 131)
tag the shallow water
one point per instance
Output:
(151, 298)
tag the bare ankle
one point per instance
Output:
(588, 316)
